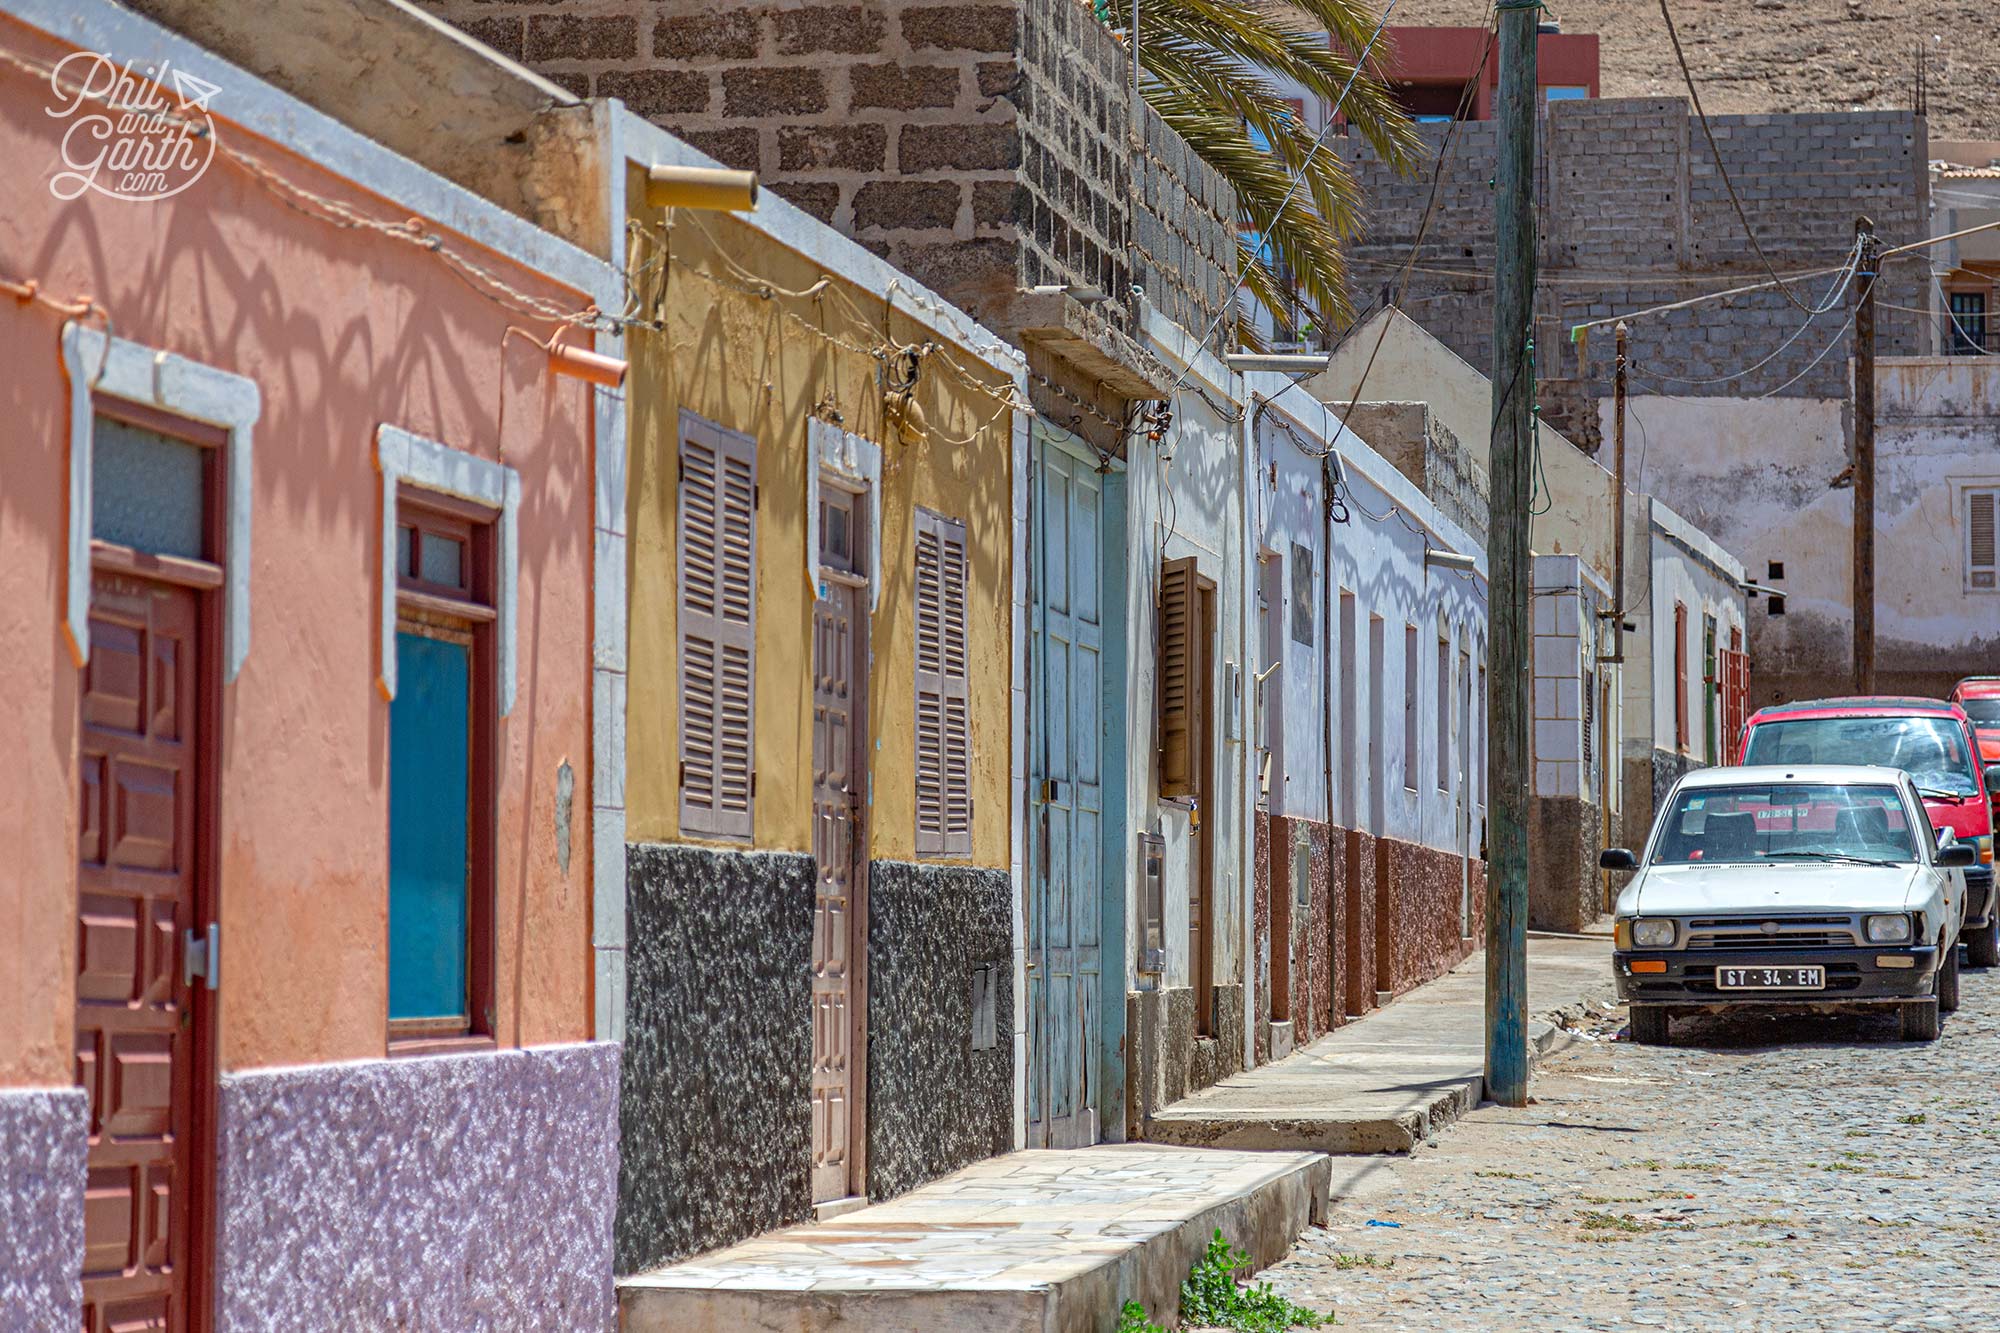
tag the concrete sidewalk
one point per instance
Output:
(1032, 1242)
(1391, 1080)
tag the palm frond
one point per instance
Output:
(1213, 71)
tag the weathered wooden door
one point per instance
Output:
(1065, 1035)
(840, 656)
(140, 1041)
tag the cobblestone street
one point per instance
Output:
(1803, 1174)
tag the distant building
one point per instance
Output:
(1965, 193)
(1433, 72)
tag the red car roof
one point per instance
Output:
(1977, 687)
(1873, 705)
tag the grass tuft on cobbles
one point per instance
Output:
(1217, 1294)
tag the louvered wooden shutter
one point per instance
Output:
(1178, 686)
(718, 628)
(1982, 571)
(944, 694)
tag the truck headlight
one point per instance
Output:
(1888, 929)
(1652, 934)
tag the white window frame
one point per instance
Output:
(403, 456)
(859, 462)
(99, 363)
(1962, 493)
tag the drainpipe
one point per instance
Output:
(1329, 470)
(1247, 788)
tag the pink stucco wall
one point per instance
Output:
(342, 330)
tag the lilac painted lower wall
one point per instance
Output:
(448, 1193)
(43, 1137)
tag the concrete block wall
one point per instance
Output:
(1558, 693)
(981, 145)
(1634, 213)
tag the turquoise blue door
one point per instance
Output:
(1066, 784)
(428, 784)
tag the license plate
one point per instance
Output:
(1770, 978)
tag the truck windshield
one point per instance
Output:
(1930, 749)
(1787, 821)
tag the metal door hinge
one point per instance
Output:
(201, 955)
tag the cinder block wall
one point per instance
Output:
(1634, 213)
(979, 146)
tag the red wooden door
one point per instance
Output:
(141, 806)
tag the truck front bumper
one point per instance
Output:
(1688, 981)
(1978, 896)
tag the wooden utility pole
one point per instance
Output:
(1618, 507)
(1864, 457)
(1508, 559)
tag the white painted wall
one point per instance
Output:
(1185, 498)
(1409, 365)
(1754, 474)
(1377, 556)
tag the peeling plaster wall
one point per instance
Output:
(935, 1103)
(453, 1192)
(715, 1111)
(43, 1136)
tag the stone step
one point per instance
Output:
(1045, 1241)
(1395, 1079)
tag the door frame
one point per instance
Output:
(204, 1110)
(858, 760)
(1114, 939)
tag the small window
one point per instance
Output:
(148, 489)
(1982, 574)
(441, 739)
(1559, 92)
(1776, 605)
(1774, 570)
(1412, 670)
(1965, 324)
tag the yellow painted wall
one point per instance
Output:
(760, 365)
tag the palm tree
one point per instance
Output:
(1200, 63)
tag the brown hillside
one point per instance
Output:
(1788, 55)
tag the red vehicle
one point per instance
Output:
(1979, 696)
(1930, 739)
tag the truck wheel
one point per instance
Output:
(1947, 982)
(1919, 1020)
(1982, 945)
(1650, 1025)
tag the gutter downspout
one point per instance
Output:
(1247, 789)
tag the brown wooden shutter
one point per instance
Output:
(1178, 687)
(718, 627)
(943, 690)
(1982, 570)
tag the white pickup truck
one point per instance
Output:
(1815, 887)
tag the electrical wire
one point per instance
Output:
(1833, 298)
(1715, 151)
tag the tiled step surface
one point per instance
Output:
(1032, 1242)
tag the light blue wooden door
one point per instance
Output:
(1066, 781)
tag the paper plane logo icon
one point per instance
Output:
(194, 92)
